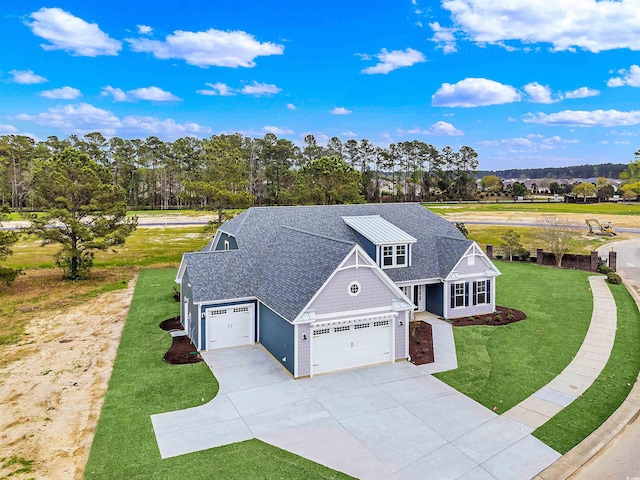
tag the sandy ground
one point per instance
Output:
(629, 221)
(50, 400)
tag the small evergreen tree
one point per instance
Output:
(82, 210)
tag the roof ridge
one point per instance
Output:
(314, 234)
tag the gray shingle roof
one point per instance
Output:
(286, 253)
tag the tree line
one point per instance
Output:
(235, 170)
(609, 170)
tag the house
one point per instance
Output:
(327, 288)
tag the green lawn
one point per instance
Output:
(146, 246)
(607, 393)
(591, 209)
(501, 366)
(143, 384)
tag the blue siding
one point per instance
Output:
(368, 247)
(203, 321)
(276, 335)
(435, 298)
(232, 242)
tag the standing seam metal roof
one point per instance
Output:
(377, 230)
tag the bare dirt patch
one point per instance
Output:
(51, 395)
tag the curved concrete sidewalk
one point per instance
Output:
(583, 370)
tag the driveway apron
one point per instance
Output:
(388, 421)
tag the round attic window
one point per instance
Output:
(354, 289)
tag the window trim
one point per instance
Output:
(226, 245)
(395, 253)
(358, 289)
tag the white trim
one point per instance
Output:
(423, 281)
(216, 237)
(407, 321)
(295, 351)
(351, 313)
(227, 300)
(383, 276)
(357, 290)
(227, 245)
(359, 319)
(475, 250)
(181, 270)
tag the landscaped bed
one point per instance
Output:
(143, 384)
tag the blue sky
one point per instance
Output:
(526, 84)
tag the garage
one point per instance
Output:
(341, 345)
(230, 326)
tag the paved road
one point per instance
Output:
(621, 458)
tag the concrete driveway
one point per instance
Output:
(387, 421)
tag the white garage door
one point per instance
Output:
(338, 347)
(229, 326)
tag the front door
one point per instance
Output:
(420, 297)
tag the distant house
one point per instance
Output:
(326, 288)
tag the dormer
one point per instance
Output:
(387, 244)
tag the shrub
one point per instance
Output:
(605, 269)
(497, 317)
(472, 319)
(510, 316)
(614, 278)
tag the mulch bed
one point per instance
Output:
(420, 343)
(501, 317)
(182, 351)
(171, 324)
(182, 348)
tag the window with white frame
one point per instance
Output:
(354, 289)
(401, 255)
(459, 295)
(387, 256)
(481, 292)
(395, 256)
(226, 244)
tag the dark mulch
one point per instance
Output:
(171, 324)
(182, 351)
(501, 317)
(420, 343)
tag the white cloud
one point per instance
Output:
(539, 93)
(349, 134)
(530, 143)
(67, 32)
(277, 130)
(7, 129)
(218, 88)
(390, 61)
(291, 106)
(444, 129)
(154, 94)
(582, 92)
(582, 118)
(144, 29)
(444, 37)
(64, 93)
(79, 118)
(210, 48)
(340, 111)
(566, 25)
(630, 78)
(167, 128)
(84, 118)
(117, 93)
(26, 77)
(258, 89)
(474, 92)
(439, 128)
